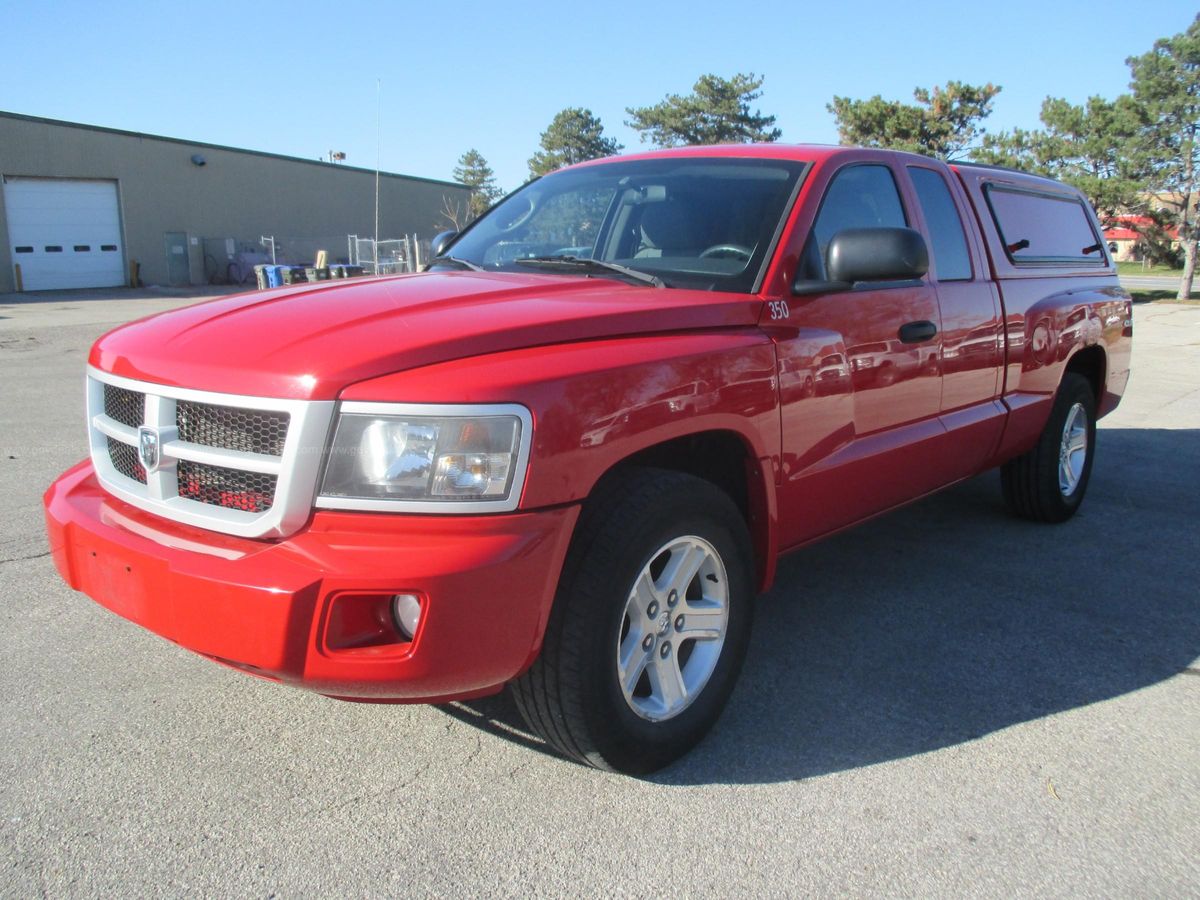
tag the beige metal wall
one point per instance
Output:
(236, 193)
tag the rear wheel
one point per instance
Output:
(1047, 484)
(649, 627)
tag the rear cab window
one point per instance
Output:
(951, 259)
(1043, 229)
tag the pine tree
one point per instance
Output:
(716, 112)
(1166, 80)
(574, 135)
(474, 172)
(944, 122)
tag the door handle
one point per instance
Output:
(917, 332)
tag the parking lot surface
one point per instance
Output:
(946, 700)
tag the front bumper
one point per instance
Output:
(288, 610)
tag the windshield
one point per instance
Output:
(696, 222)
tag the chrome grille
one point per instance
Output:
(252, 492)
(125, 460)
(124, 406)
(232, 428)
(243, 465)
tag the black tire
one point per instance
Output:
(571, 696)
(1031, 482)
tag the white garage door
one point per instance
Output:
(64, 233)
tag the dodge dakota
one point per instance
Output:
(566, 457)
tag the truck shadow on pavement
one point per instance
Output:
(950, 619)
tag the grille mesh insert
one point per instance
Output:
(125, 460)
(231, 428)
(124, 406)
(229, 488)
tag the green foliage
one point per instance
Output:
(1145, 267)
(473, 171)
(1166, 81)
(574, 135)
(1098, 147)
(1150, 296)
(1156, 244)
(716, 112)
(1029, 151)
(944, 122)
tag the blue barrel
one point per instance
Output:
(274, 276)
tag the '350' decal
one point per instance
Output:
(778, 309)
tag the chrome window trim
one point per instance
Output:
(441, 507)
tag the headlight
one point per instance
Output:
(427, 458)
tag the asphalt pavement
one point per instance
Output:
(944, 701)
(1151, 282)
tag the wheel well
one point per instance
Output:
(716, 456)
(723, 459)
(1092, 364)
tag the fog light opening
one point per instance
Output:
(406, 612)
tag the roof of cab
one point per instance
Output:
(809, 153)
(798, 152)
(819, 153)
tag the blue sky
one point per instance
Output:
(300, 78)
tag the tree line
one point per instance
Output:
(1136, 154)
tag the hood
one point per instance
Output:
(312, 341)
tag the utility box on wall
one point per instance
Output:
(196, 260)
(185, 258)
(179, 266)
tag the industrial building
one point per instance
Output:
(85, 206)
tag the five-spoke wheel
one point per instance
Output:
(649, 626)
(674, 628)
(1073, 450)
(1048, 482)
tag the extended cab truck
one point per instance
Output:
(566, 458)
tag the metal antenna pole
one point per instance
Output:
(378, 149)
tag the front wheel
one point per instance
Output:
(1047, 484)
(649, 627)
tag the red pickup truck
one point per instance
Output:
(567, 457)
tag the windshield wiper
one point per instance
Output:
(591, 266)
(455, 261)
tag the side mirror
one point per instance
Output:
(440, 242)
(877, 254)
(868, 255)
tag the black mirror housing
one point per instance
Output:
(876, 254)
(440, 242)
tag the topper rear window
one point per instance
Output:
(1039, 228)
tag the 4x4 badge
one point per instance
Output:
(149, 451)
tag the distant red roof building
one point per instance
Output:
(1125, 228)
(1124, 232)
